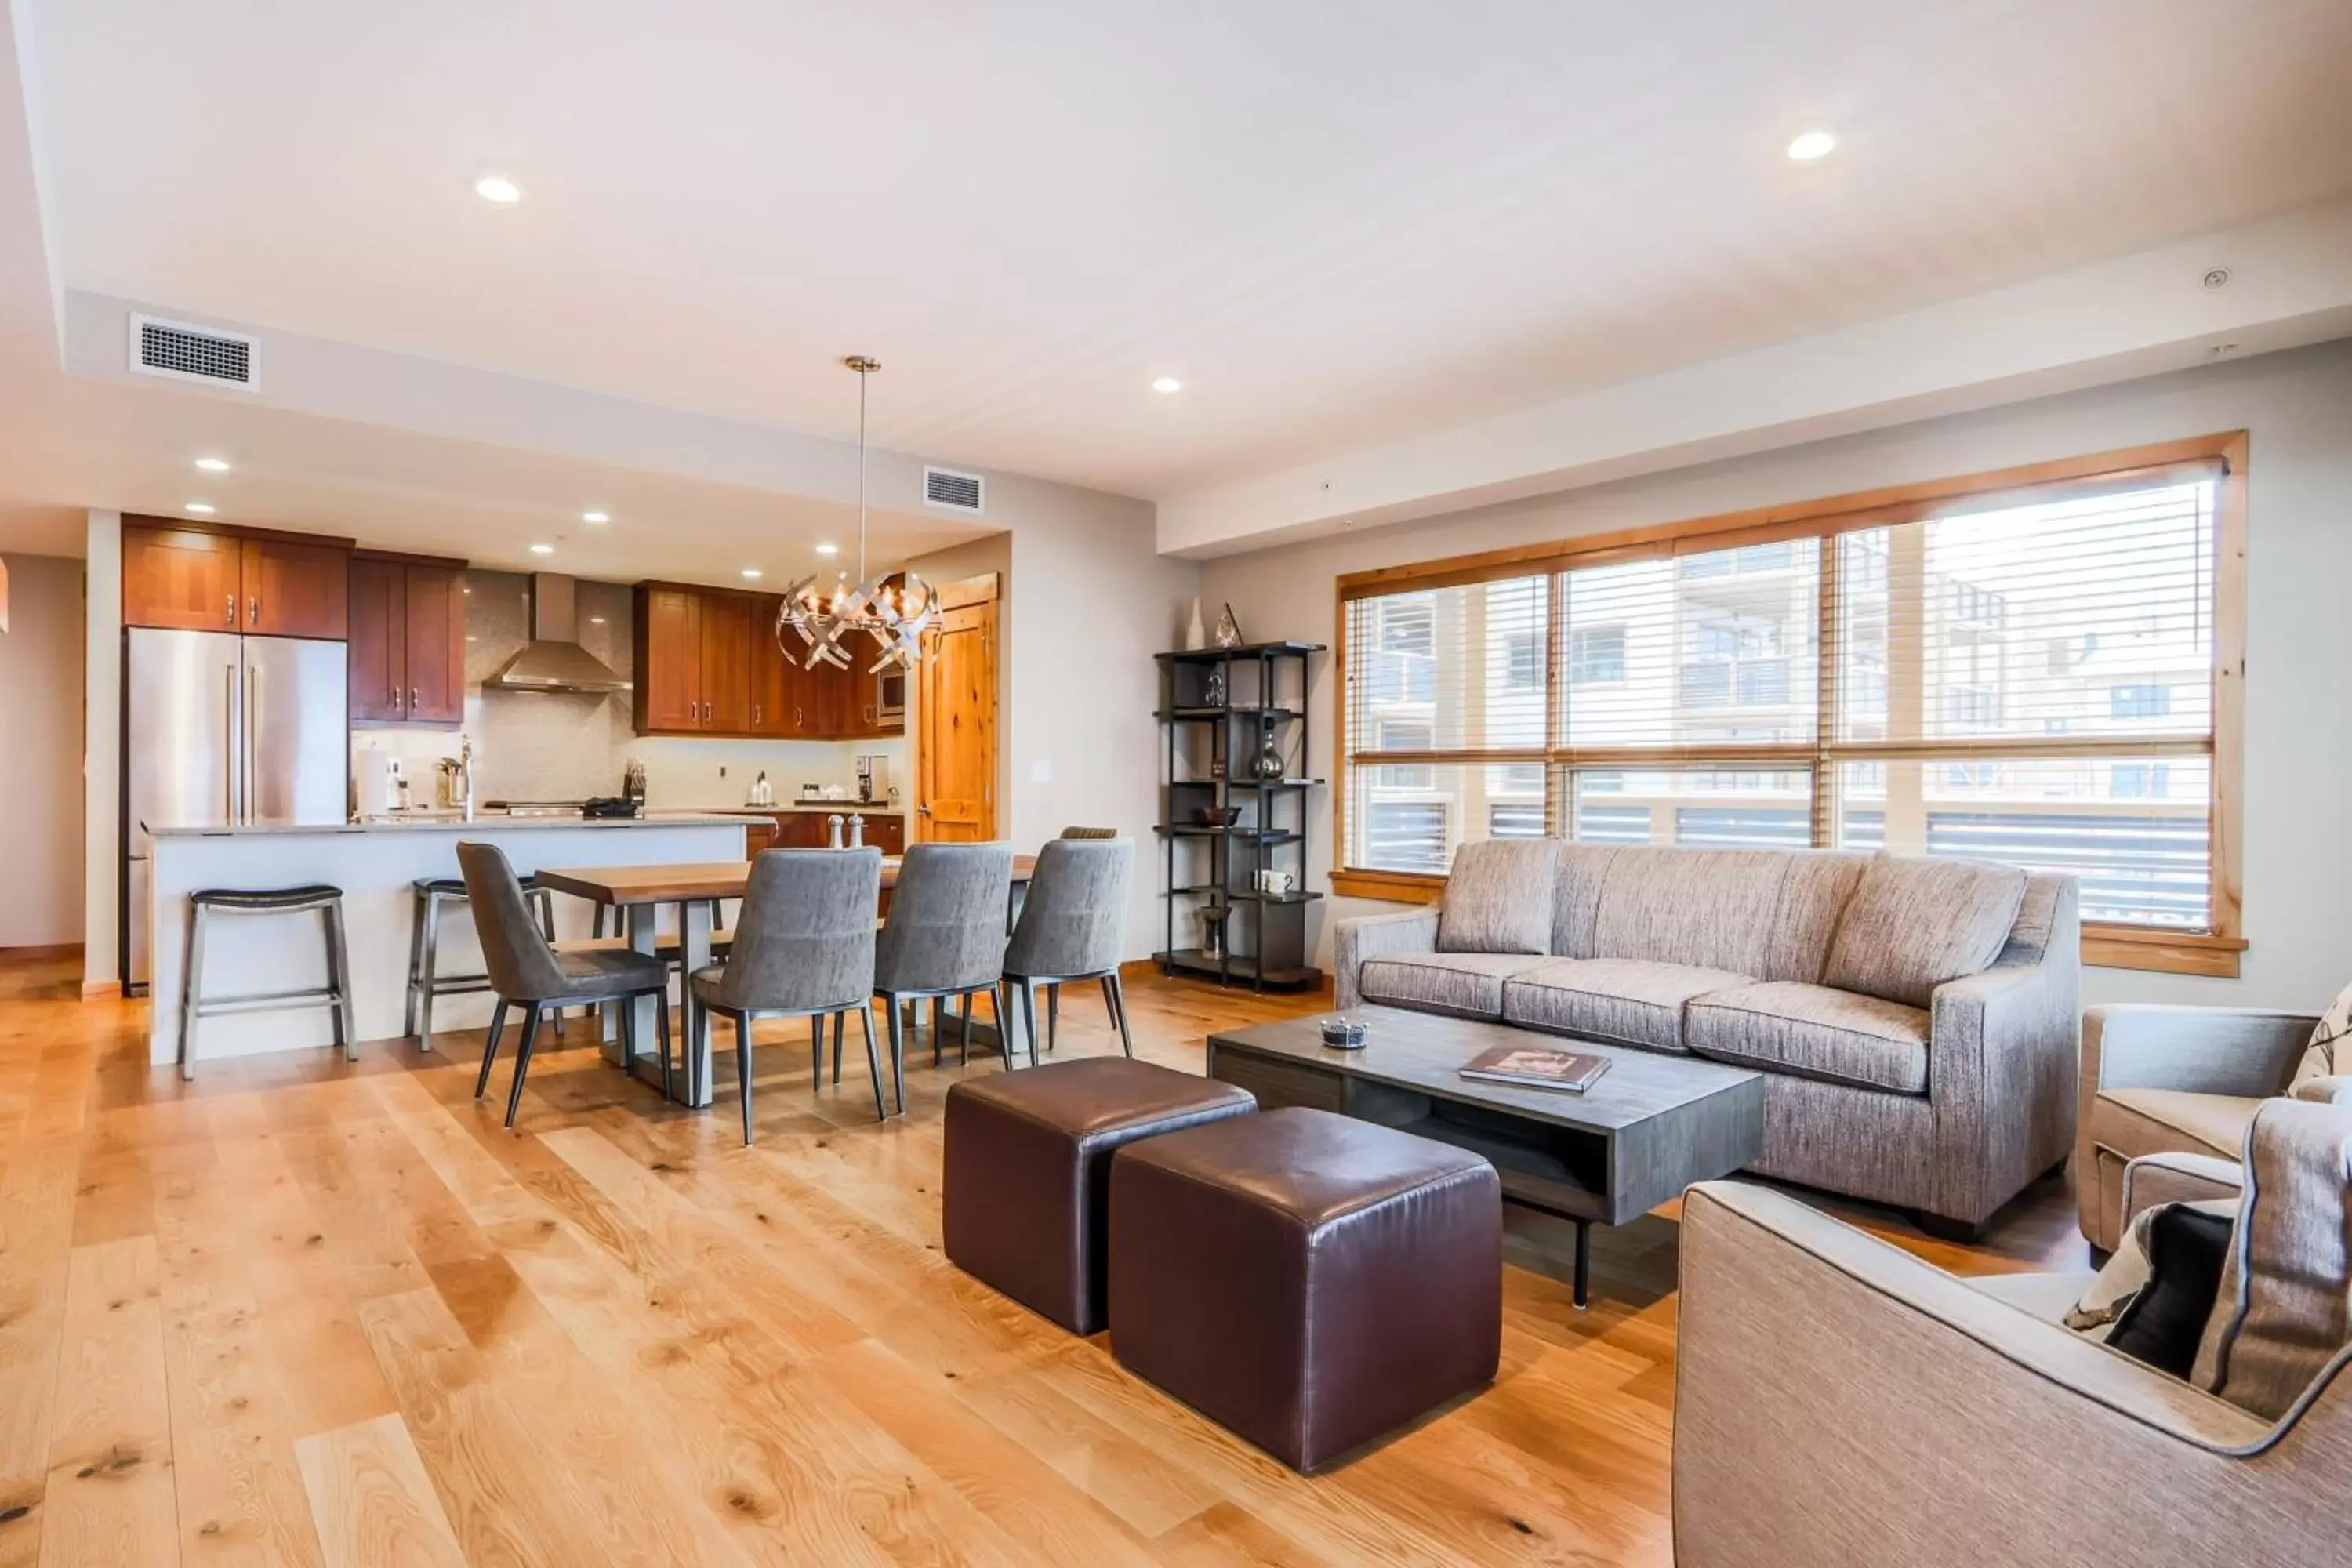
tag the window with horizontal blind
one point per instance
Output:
(2037, 667)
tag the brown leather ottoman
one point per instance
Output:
(1028, 1164)
(1308, 1280)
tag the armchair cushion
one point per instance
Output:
(1498, 897)
(1463, 984)
(1785, 1025)
(1915, 922)
(1619, 1001)
(2129, 1122)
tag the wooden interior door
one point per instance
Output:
(181, 578)
(379, 635)
(433, 643)
(955, 743)
(297, 590)
(669, 660)
(727, 663)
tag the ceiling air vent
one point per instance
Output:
(955, 491)
(184, 352)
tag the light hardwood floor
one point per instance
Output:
(307, 1312)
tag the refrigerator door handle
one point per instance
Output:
(229, 746)
(252, 752)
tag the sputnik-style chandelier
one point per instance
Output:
(894, 610)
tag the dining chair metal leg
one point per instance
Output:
(1029, 1015)
(939, 1018)
(836, 1050)
(491, 1047)
(895, 1027)
(522, 1059)
(939, 1039)
(661, 1036)
(1053, 1016)
(743, 1069)
(964, 1040)
(1000, 1003)
(874, 1065)
(1114, 992)
(817, 1054)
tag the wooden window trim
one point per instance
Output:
(2222, 455)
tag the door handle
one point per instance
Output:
(252, 752)
(228, 732)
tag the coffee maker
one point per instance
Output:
(873, 779)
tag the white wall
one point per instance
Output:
(2297, 406)
(40, 780)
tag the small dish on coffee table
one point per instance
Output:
(1344, 1033)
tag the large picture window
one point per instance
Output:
(2039, 668)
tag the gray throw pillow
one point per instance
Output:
(1915, 922)
(1498, 897)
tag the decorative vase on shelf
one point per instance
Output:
(1196, 636)
(1215, 694)
(1270, 764)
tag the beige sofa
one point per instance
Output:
(1840, 1404)
(1915, 1018)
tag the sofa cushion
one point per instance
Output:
(1619, 1001)
(2285, 1305)
(1576, 897)
(1915, 922)
(1787, 1026)
(1710, 908)
(1814, 889)
(1498, 897)
(1465, 985)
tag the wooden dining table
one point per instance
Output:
(641, 892)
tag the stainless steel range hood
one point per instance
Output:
(554, 659)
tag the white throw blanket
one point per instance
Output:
(2330, 1052)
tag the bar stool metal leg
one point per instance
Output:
(432, 962)
(416, 961)
(339, 980)
(188, 993)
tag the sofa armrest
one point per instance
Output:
(1360, 940)
(2331, 1090)
(2242, 1052)
(1840, 1404)
(2154, 1179)
(2001, 1073)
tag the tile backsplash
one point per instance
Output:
(555, 746)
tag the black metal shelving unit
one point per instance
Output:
(1215, 747)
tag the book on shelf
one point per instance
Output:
(1536, 1066)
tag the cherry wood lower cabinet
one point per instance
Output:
(708, 663)
(809, 830)
(407, 639)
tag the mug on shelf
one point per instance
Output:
(1277, 883)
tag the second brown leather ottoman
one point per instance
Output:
(1308, 1280)
(1028, 1159)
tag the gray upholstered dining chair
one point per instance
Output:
(526, 970)
(1072, 926)
(803, 949)
(1053, 992)
(944, 937)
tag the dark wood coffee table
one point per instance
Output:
(1654, 1123)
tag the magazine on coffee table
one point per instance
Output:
(1536, 1066)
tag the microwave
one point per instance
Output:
(890, 697)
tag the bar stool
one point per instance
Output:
(336, 994)
(425, 979)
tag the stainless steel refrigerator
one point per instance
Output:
(222, 731)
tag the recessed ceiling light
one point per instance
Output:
(542, 550)
(828, 550)
(200, 509)
(1167, 383)
(595, 517)
(751, 571)
(497, 190)
(1811, 145)
(213, 464)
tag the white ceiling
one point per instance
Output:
(1339, 222)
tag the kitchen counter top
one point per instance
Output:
(484, 822)
(862, 809)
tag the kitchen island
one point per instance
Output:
(375, 864)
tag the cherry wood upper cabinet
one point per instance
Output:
(184, 579)
(726, 664)
(407, 640)
(668, 659)
(297, 590)
(779, 706)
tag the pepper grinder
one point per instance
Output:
(834, 824)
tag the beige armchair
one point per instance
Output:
(2158, 1080)
(1840, 1404)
